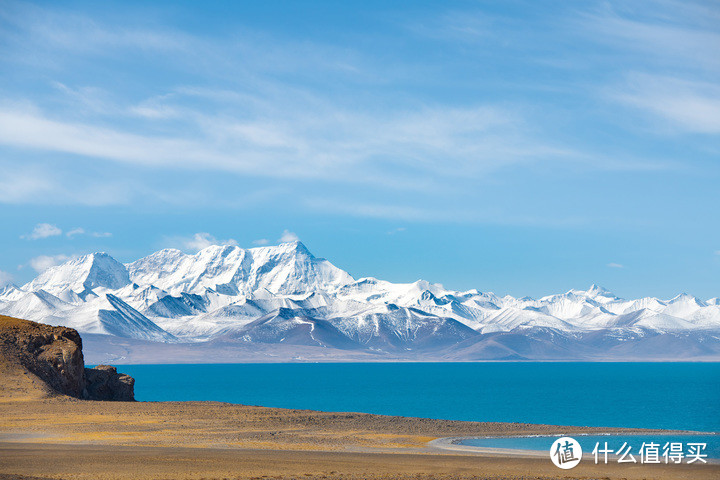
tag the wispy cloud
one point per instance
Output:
(293, 115)
(434, 213)
(259, 124)
(81, 231)
(5, 278)
(288, 236)
(80, 34)
(667, 33)
(456, 26)
(75, 231)
(667, 55)
(43, 230)
(43, 262)
(689, 106)
(198, 241)
(615, 265)
(299, 144)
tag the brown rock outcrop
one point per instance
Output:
(32, 351)
(105, 383)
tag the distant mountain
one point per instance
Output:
(283, 303)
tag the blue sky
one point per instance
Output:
(516, 147)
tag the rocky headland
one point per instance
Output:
(39, 360)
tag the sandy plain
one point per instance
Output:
(65, 438)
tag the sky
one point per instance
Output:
(518, 147)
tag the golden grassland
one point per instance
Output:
(64, 438)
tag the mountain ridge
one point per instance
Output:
(222, 292)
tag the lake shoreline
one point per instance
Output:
(62, 437)
(456, 444)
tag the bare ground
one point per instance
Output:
(64, 438)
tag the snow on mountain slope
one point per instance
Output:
(124, 321)
(286, 269)
(401, 328)
(37, 304)
(10, 292)
(510, 318)
(106, 314)
(291, 327)
(650, 303)
(649, 319)
(81, 274)
(284, 294)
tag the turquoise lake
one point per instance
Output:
(646, 395)
(610, 442)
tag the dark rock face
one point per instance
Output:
(105, 383)
(54, 355)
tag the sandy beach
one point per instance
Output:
(64, 438)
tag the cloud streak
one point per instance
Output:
(198, 241)
(43, 230)
(5, 278)
(689, 106)
(43, 262)
(299, 116)
(288, 236)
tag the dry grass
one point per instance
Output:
(72, 439)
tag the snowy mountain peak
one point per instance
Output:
(593, 292)
(288, 268)
(598, 290)
(82, 273)
(9, 290)
(296, 246)
(687, 300)
(284, 294)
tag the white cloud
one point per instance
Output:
(81, 231)
(396, 230)
(672, 32)
(288, 236)
(297, 126)
(200, 241)
(435, 213)
(615, 265)
(294, 143)
(690, 106)
(5, 278)
(43, 230)
(75, 231)
(261, 241)
(43, 262)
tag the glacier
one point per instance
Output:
(281, 303)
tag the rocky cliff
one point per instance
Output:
(37, 358)
(105, 383)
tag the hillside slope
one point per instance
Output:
(39, 360)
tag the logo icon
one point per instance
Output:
(565, 452)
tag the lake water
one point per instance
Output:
(647, 395)
(610, 442)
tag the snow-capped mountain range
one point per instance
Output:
(281, 302)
